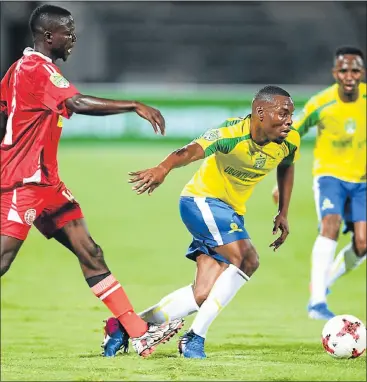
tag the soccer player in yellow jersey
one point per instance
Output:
(237, 155)
(339, 170)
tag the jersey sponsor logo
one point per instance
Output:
(327, 204)
(212, 135)
(234, 228)
(59, 81)
(29, 216)
(260, 161)
(59, 121)
(241, 175)
(342, 144)
(350, 126)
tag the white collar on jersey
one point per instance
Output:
(31, 51)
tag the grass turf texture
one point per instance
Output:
(51, 324)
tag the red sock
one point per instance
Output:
(114, 297)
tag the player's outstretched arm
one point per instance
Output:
(150, 179)
(88, 105)
(285, 177)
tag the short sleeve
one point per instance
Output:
(210, 141)
(222, 139)
(293, 142)
(52, 89)
(307, 118)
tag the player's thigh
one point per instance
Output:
(330, 198)
(242, 254)
(60, 208)
(207, 271)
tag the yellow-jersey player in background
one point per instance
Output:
(237, 155)
(339, 170)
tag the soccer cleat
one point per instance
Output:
(191, 345)
(320, 312)
(156, 334)
(115, 338)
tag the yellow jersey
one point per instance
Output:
(340, 149)
(234, 163)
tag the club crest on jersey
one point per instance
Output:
(29, 216)
(59, 81)
(350, 126)
(260, 161)
(327, 205)
(234, 228)
(212, 135)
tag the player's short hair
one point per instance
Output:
(45, 14)
(341, 51)
(268, 92)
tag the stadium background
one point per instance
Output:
(199, 63)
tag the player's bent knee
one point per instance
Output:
(7, 257)
(330, 226)
(250, 264)
(4, 268)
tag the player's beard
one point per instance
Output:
(60, 53)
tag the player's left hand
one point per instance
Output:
(152, 115)
(280, 223)
(148, 180)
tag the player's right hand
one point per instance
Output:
(152, 115)
(275, 194)
(148, 180)
(280, 223)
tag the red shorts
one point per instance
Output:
(49, 208)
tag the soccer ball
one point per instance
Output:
(344, 336)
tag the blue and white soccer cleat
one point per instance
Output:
(320, 312)
(115, 338)
(191, 345)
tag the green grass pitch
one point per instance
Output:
(51, 324)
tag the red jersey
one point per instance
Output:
(33, 94)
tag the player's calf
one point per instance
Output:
(91, 258)
(330, 226)
(250, 263)
(241, 254)
(207, 273)
(202, 293)
(360, 244)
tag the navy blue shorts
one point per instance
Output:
(335, 196)
(212, 223)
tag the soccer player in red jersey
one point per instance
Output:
(34, 99)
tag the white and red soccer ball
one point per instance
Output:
(344, 336)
